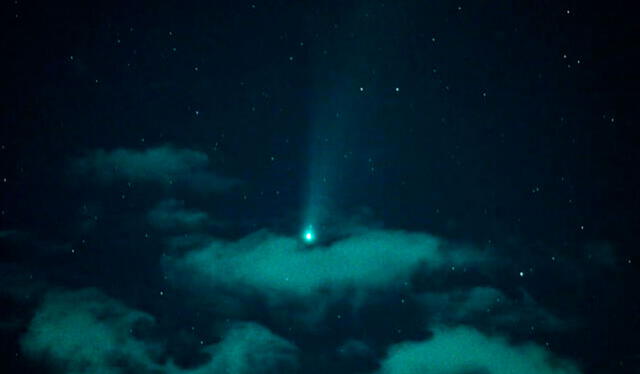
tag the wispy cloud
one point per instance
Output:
(490, 308)
(171, 214)
(166, 164)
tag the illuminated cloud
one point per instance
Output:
(285, 268)
(88, 332)
(466, 350)
(161, 164)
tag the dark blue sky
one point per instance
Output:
(159, 160)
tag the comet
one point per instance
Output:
(308, 235)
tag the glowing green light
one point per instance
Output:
(308, 235)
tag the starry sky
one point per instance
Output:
(466, 171)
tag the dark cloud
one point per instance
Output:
(171, 214)
(246, 348)
(165, 165)
(20, 245)
(602, 253)
(354, 347)
(490, 308)
(8, 234)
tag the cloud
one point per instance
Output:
(171, 214)
(490, 308)
(247, 348)
(27, 245)
(9, 233)
(161, 164)
(282, 268)
(88, 332)
(355, 348)
(466, 350)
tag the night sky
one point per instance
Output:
(374, 187)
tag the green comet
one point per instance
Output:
(308, 235)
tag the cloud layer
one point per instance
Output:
(357, 270)
(362, 298)
(87, 331)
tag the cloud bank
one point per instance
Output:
(357, 270)
(87, 331)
